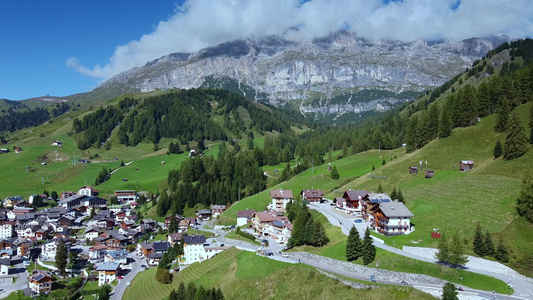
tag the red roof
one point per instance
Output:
(281, 194)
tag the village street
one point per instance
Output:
(118, 291)
(523, 286)
(21, 284)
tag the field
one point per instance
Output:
(237, 274)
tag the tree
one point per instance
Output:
(353, 245)
(105, 291)
(516, 141)
(369, 250)
(173, 295)
(478, 241)
(394, 194)
(443, 250)
(503, 116)
(501, 253)
(498, 149)
(380, 188)
(400, 196)
(173, 225)
(457, 256)
(449, 292)
(445, 124)
(531, 125)
(488, 245)
(334, 172)
(61, 256)
(163, 276)
(54, 195)
(524, 205)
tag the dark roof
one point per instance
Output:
(194, 239)
(313, 193)
(5, 261)
(246, 213)
(204, 212)
(395, 209)
(107, 266)
(378, 197)
(160, 246)
(356, 195)
(281, 194)
(155, 255)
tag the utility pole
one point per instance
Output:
(27, 170)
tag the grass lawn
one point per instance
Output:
(237, 274)
(234, 236)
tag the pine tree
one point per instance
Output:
(353, 245)
(478, 241)
(173, 225)
(524, 205)
(61, 256)
(334, 172)
(173, 295)
(443, 253)
(488, 245)
(457, 256)
(503, 116)
(449, 292)
(394, 194)
(380, 188)
(516, 141)
(498, 149)
(319, 235)
(445, 124)
(163, 205)
(501, 253)
(400, 196)
(105, 292)
(369, 250)
(181, 291)
(531, 125)
(433, 122)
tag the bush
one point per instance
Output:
(163, 276)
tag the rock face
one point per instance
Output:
(334, 74)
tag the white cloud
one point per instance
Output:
(200, 23)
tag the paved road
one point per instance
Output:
(118, 291)
(7, 285)
(523, 288)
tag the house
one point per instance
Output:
(204, 214)
(174, 238)
(392, 218)
(466, 165)
(9, 202)
(280, 198)
(71, 201)
(4, 150)
(42, 234)
(117, 256)
(183, 225)
(18, 149)
(4, 266)
(154, 258)
(66, 220)
(353, 201)
(34, 196)
(84, 161)
(413, 170)
(57, 143)
(217, 209)
(49, 249)
(126, 196)
(107, 272)
(143, 249)
(244, 216)
(87, 191)
(97, 252)
(7, 229)
(7, 244)
(261, 220)
(339, 203)
(193, 247)
(26, 232)
(430, 173)
(40, 281)
(312, 195)
(23, 249)
(91, 233)
(370, 202)
(65, 195)
(168, 218)
(280, 231)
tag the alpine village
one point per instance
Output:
(206, 193)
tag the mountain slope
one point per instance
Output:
(324, 75)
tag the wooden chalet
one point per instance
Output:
(40, 281)
(466, 165)
(370, 203)
(352, 201)
(392, 218)
(312, 195)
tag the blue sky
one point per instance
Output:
(63, 47)
(36, 38)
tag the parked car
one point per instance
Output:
(120, 277)
(284, 254)
(221, 245)
(358, 221)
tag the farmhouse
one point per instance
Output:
(413, 170)
(280, 198)
(312, 195)
(352, 201)
(40, 281)
(392, 218)
(107, 272)
(466, 165)
(244, 216)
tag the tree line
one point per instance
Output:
(306, 230)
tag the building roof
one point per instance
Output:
(204, 212)
(176, 236)
(5, 261)
(108, 266)
(246, 213)
(160, 246)
(37, 275)
(467, 162)
(395, 209)
(155, 255)
(379, 197)
(312, 193)
(218, 206)
(355, 195)
(264, 217)
(281, 194)
(194, 239)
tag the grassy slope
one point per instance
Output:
(349, 168)
(453, 202)
(236, 273)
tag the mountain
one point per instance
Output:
(335, 74)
